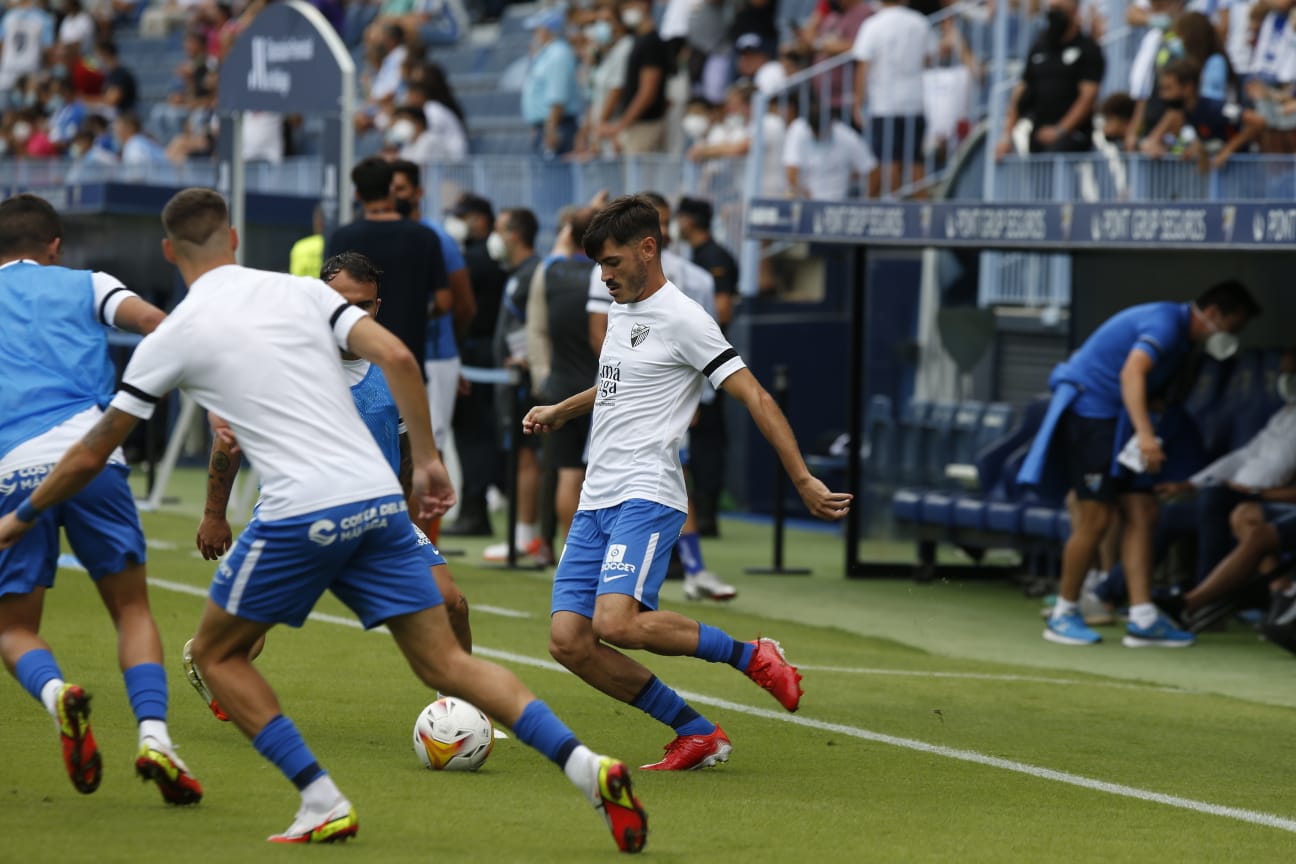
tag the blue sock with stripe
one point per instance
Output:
(717, 646)
(665, 705)
(281, 743)
(146, 687)
(35, 669)
(690, 552)
(540, 728)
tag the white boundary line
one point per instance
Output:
(1239, 814)
(987, 676)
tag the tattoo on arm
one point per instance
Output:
(221, 470)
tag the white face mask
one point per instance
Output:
(1220, 344)
(1159, 20)
(599, 32)
(456, 228)
(632, 17)
(695, 125)
(496, 248)
(402, 132)
(1287, 387)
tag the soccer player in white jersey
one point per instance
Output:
(57, 376)
(355, 277)
(659, 347)
(698, 285)
(260, 350)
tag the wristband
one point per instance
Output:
(26, 511)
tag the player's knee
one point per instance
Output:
(568, 650)
(616, 630)
(1244, 517)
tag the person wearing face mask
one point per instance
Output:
(1054, 101)
(611, 44)
(409, 133)
(475, 423)
(512, 244)
(1099, 422)
(551, 98)
(640, 112)
(1234, 492)
(1211, 130)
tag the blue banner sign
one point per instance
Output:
(288, 60)
(1054, 226)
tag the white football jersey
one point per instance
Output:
(654, 358)
(261, 350)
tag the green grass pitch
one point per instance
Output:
(912, 694)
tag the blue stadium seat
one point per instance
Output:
(911, 441)
(963, 433)
(936, 508)
(1004, 517)
(1040, 521)
(880, 436)
(491, 103)
(938, 447)
(997, 476)
(996, 422)
(906, 505)
(971, 514)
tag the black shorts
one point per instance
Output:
(567, 445)
(895, 139)
(1088, 447)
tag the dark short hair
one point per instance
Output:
(657, 199)
(697, 209)
(415, 114)
(193, 215)
(107, 47)
(470, 204)
(624, 220)
(409, 169)
(523, 223)
(28, 223)
(1185, 70)
(372, 178)
(1119, 105)
(358, 267)
(1230, 297)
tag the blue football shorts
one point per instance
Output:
(617, 550)
(367, 553)
(101, 523)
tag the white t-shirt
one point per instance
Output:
(895, 42)
(447, 131)
(26, 32)
(48, 447)
(770, 77)
(675, 20)
(1267, 461)
(654, 359)
(261, 350)
(826, 166)
(1237, 43)
(78, 29)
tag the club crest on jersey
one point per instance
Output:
(638, 333)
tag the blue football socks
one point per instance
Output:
(146, 686)
(35, 669)
(540, 728)
(281, 743)
(665, 705)
(717, 646)
(690, 552)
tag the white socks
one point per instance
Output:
(321, 795)
(157, 730)
(1065, 607)
(523, 534)
(1143, 615)
(49, 696)
(582, 769)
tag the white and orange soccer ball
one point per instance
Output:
(452, 734)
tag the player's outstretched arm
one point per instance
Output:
(431, 482)
(548, 418)
(138, 316)
(820, 500)
(214, 534)
(79, 465)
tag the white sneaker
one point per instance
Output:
(705, 585)
(338, 823)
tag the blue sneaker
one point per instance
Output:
(1070, 630)
(1162, 634)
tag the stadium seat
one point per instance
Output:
(936, 508)
(880, 437)
(998, 482)
(971, 514)
(963, 432)
(911, 440)
(905, 505)
(1040, 521)
(938, 446)
(1004, 517)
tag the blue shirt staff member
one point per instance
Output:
(551, 98)
(1100, 402)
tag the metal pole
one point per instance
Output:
(238, 183)
(780, 491)
(749, 269)
(855, 410)
(998, 89)
(515, 429)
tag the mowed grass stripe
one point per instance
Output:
(1240, 814)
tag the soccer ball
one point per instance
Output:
(453, 735)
